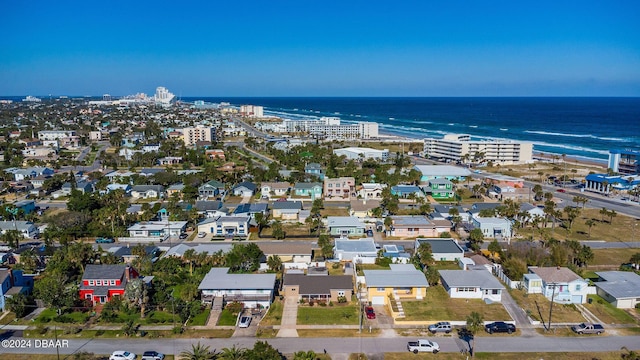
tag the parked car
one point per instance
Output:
(152, 355)
(423, 345)
(443, 326)
(245, 321)
(586, 328)
(122, 355)
(202, 234)
(183, 236)
(500, 326)
(561, 190)
(370, 233)
(371, 314)
(101, 240)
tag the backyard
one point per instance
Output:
(537, 306)
(437, 306)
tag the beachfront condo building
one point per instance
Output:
(361, 130)
(624, 162)
(359, 153)
(252, 111)
(460, 148)
(193, 135)
(163, 97)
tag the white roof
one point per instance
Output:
(470, 278)
(344, 221)
(442, 170)
(406, 276)
(220, 279)
(366, 245)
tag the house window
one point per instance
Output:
(577, 287)
(87, 296)
(98, 282)
(92, 283)
(340, 293)
(112, 282)
(380, 289)
(495, 291)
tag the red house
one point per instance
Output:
(100, 283)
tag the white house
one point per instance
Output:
(268, 189)
(157, 229)
(493, 227)
(225, 226)
(472, 284)
(443, 249)
(371, 191)
(561, 284)
(147, 191)
(26, 228)
(244, 189)
(363, 250)
(620, 288)
(253, 290)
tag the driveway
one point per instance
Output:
(518, 315)
(289, 318)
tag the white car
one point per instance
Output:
(122, 355)
(245, 321)
(202, 234)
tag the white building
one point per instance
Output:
(192, 135)
(163, 97)
(55, 134)
(357, 153)
(252, 110)
(360, 130)
(453, 147)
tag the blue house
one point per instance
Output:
(27, 206)
(404, 191)
(314, 169)
(13, 282)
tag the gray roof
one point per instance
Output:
(108, 272)
(405, 220)
(441, 245)
(357, 246)
(470, 278)
(396, 277)
(220, 279)
(307, 185)
(145, 188)
(208, 205)
(210, 249)
(292, 205)
(250, 208)
(440, 181)
(248, 185)
(344, 221)
(313, 285)
(619, 284)
(477, 207)
(444, 209)
(13, 225)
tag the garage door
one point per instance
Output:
(377, 300)
(576, 299)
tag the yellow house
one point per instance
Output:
(403, 281)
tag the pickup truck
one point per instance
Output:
(586, 328)
(423, 345)
(443, 326)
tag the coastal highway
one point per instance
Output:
(343, 345)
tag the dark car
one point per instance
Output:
(183, 236)
(152, 355)
(104, 240)
(371, 314)
(500, 326)
(561, 190)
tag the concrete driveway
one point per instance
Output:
(289, 318)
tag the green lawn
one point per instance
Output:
(607, 313)
(437, 306)
(274, 315)
(50, 316)
(328, 315)
(201, 319)
(227, 318)
(446, 265)
(537, 306)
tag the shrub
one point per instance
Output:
(177, 330)
(342, 299)
(42, 330)
(330, 303)
(99, 332)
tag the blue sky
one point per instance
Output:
(321, 48)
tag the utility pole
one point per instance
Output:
(553, 293)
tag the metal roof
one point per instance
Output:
(220, 279)
(365, 245)
(442, 246)
(442, 170)
(344, 221)
(92, 271)
(470, 278)
(406, 277)
(619, 284)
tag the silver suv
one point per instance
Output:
(443, 326)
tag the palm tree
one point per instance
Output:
(474, 325)
(233, 353)
(590, 223)
(199, 352)
(305, 355)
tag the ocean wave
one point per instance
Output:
(577, 135)
(571, 147)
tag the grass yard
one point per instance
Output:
(334, 211)
(607, 313)
(328, 315)
(50, 316)
(320, 333)
(227, 318)
(613, 257)
(362, 267)
(446, 265)
(274, 315)
(537, 306)
(437, 306)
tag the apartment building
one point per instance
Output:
(55, 134)
(192, 135)
(455, 147)
(252, 110)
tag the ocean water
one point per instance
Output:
(579, 127)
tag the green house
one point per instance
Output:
(311, 189)
(441, 188)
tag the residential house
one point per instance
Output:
(444, 212)
(269, 189)
(396, 253)
(225, 226)
(26, 228)
(371, 191)
(125, 253)
(288, 251)
(530, 212)
(441, 188)
(101, 283)
(13, 282)
(253, 290)
(119, 175)
(39, 180)
(213, 154)
(26, 206)
(443, 249)
(210, 249)
(206, 208)
(503, 192)
(318, 288)
(342, 188)
(230, 167)
(147, 191)
(126, 188)
(360, 250)
(286, 210)
(405, 191)
(308, 189)
(493, 227)
(620, 288)
(175, 189)
(363, 208)
(476, 208)
(403, 281)
(345, 226)
(251, 209)
(244, 189)
(170, 160)
(559, 283)
(151, 229)
(150, 148)
(500, 180)
(211, 188)
(472, 284)
(412, 226)
(314, 169)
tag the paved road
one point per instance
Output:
(611, 245)
(343, 345)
